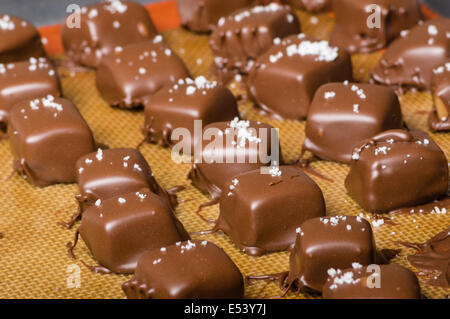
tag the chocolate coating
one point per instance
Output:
(397, 169)
(310, 5)
(247, 33)
(396, 282)
(352, 31)
(285, 78)
(128, 77)
(342, 115)
(410, 59)
(19, 40)
(261, 212)
(179, 105)
(103, 28)
(189, 270)
(202, 15)
(47, 136)
(439, 119)
(120, 229)
(26, 80)
(113, 172)
(329, 242)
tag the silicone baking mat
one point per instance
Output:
(33, 258)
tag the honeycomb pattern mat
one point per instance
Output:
(33, 258)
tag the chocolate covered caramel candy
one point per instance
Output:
(202, 15)
(245, 146)
(396, 169)
(48, 135)
(19, 40)
(104, 27)
(369, 25)
(179, 105)
(261, 212)
(129, 76)
(310, 5)
(284, 79)
(329, 242)
(246, 34)
(439, 119)
(25, 80)
(409, 61)
(113, 172)
(344, 114)
(373, 282)
(187, 270)
(120, 229)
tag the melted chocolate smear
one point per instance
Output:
(97, 269)
(212, 202)
(205, 232)
(390, 254)
(436, 207)
(69, 224)
(432, 259)
(71, 247)
(176, 189)
(423, 112)
(2, 236)
(304, 164)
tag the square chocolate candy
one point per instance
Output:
(261, 212)
(344, 114)
(48, 135)
(25, 80)
(178, 106)
(202, 15)
(329, 242)
(439, 119)
(135, 72)
(120, 229)
(284, 79)
(187, 270)
(19, 40)
(397, 169)
(356, 30)
(113, 172)
(247, 33)
(104, 27)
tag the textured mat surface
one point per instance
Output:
(33, 259)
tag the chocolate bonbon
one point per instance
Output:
(369, 25)
(396, 169)
(202, 15)
(48, 135)
(409, 61)
(179, 105)
(372, 282)
(343, 114)
(113, 172)
(439, 119)
(25, 80)
(310, 5)
(244, 35)
(120, 229)
(189, 270)
(127, 77)
(284, 79)
(103, 28)
(19, 40)
(261, 212)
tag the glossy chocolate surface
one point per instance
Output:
(246, 34)
(410, 59)
(261, 212)
(284, 79)
(395, 282)
(397, 169)
(352, 29)
(202, 15)
(178, 106)
(19, 40)
(47, 136)
(104, 26)
(25, 80)
(188, 270)
(310, 5)
(439, 119)
(129, 76)
(344, 114)
(120, 229)
(113, 172)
